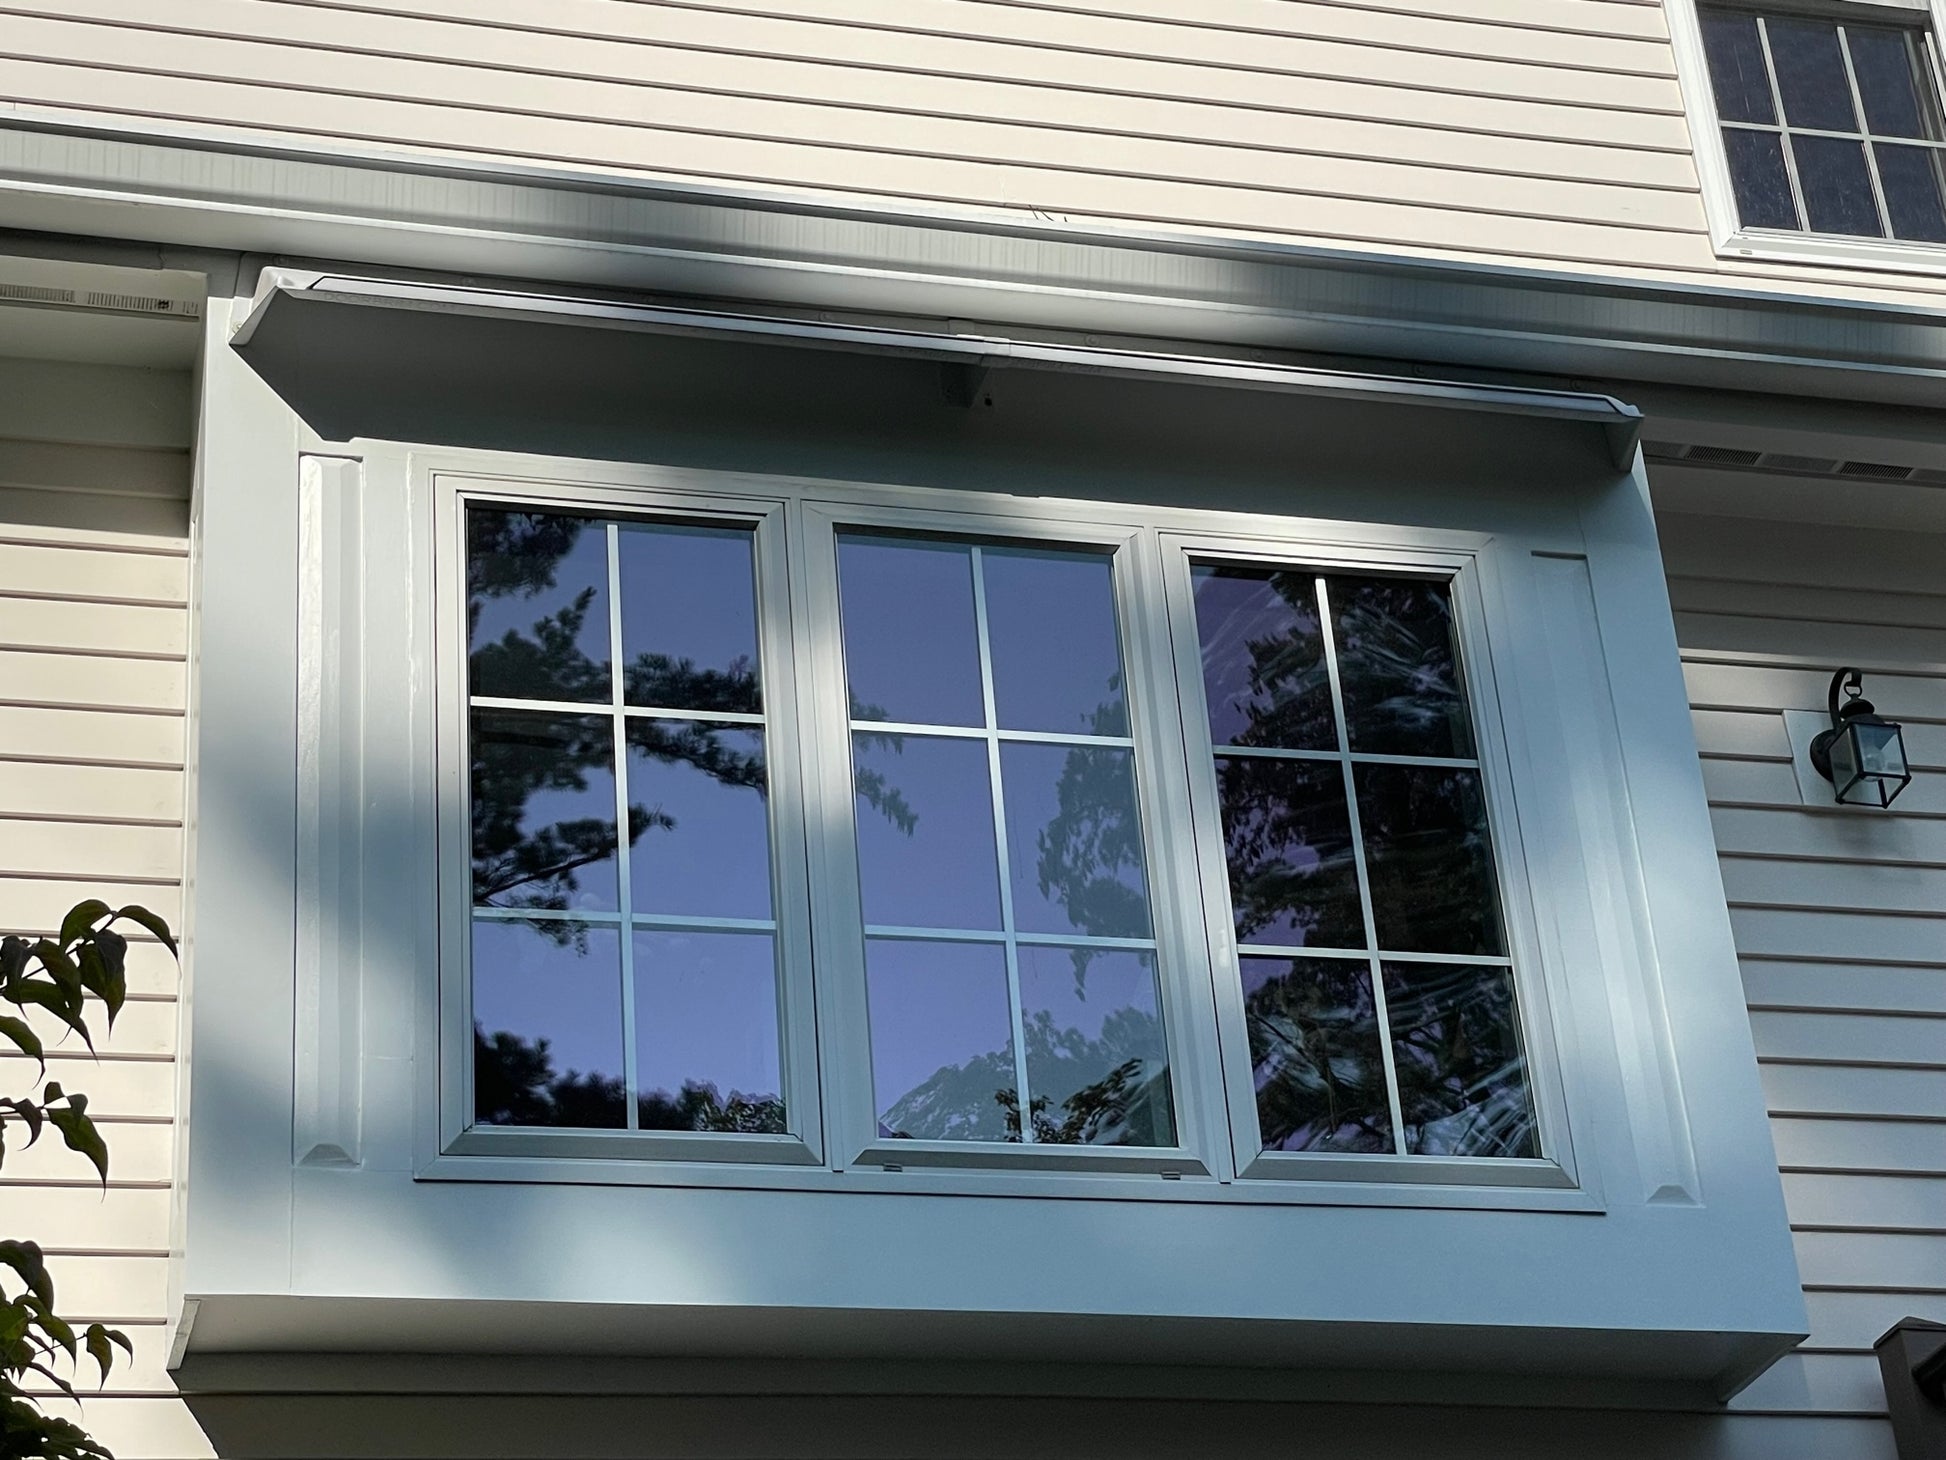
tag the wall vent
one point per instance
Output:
(1784, 463)
(142, 304)
(36, 294)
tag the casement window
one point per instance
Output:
(1829, 120)
(829, 831)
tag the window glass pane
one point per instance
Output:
(1893, 82)
(537, 606)
(1462, 1077)
(1430, 860)
(1057, 653)
(706, 1031)
(1837, 189)
(1399, 667)
(543, 811)
(942, 1041)
(1074, 840)
(911, 650)
(1737, 75)
(1264, 675)
(547, 1024)
(1914, 187)
(1315, 1055)
(1287, 842)
(698, 820)
(1758, 174)
(1097, 1065)
(1811, 74)
(689, 618)
(926, 855)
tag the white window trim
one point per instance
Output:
(797, 521)
(1727, 235)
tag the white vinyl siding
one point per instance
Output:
(93, 636)
(1840, 916)
(1536, 131)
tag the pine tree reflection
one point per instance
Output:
(515, 1083)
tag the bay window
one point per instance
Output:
(829, 829)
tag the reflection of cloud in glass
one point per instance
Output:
(942, 1039)
(706, 1021)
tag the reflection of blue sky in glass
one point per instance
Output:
(706, 1012)
(688, 594)
(706, 852)
(539, 838)
(942, 1039)
(927, 859)
(1057, 654)
(911, 645)
(1095, 1031)
(512, 590)
(1074, 842)
(564, 989)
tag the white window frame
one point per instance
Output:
(828, 1089)
(1727, 234)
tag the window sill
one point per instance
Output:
(1537, 1186)
(1833, 251)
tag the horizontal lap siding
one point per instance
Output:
(93, 682)
(1537, 130)
(1840, 917)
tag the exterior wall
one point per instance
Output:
(1840, 916)
(1533, 130)
(94, 627)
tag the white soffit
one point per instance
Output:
(975, 353)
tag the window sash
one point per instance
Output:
(826, 1055)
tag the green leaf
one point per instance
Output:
(62, 968)
(102, 1343)
(55, 1379)
(13, 958)
(56, 1327)
(23, 1036)
(56, 1001)
(98, 979)
(28, 1114)
(26, 1261)
(81, 917)
(142, 917)
(79, 1132)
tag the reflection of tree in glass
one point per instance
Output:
(1398, 668)
(1314, 1049)
(1430, 859)
(1128, 1105)
(1462, 1078)
(514, 1083)
(1263, 658)
(1287, 842)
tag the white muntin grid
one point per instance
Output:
(1373, 955)
(1929, 79)
(620, 713)
(1008, 936)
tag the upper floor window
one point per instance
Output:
(1830, 125)
(1139, 845)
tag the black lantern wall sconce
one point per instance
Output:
(1862, 755)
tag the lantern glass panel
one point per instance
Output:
(1881, 750)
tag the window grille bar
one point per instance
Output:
(1364, 872)
(977, 732)
(1022, 1095)
(1864, 128)
(1783, 123)
(625, 890)
(1356, 757)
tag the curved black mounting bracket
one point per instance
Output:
(1851, 683)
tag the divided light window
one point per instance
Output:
(1006, 724)
(1830, 127)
